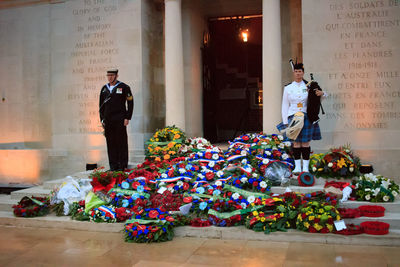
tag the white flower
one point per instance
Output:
(394, 193)
(244, 161)
(161, 190)
(215, 156)
(330, 164)
(184, 149)
(268, 153)
(376, 191)
(235, 196)
(218, 183)
(171, 189)
(182, 170)
(357, 185)
(161, 184)
(243, 152)
(211, 164)
(314, 169)
(220, 174)
(251, 199)
(281, 145)
(280, 137)
(367, 197)
(201, 176)
(243, 180)
(288, 144)
(199, 154)
(255, 175)
(200, 146)
(367, 189)
(351, 169)
(386, 198)
(385, 184)
(265, 161)
(164, 175)
(285, 156)
(179, 183)
(243, 205)
(215, 149)
(263, 184)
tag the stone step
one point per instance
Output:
(37, 191)
(6, 202)
(237, 233)
(299, 189)
(391, 218)
(61, 222)
(393, 207)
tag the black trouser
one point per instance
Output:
(117, 145)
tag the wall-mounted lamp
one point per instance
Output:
(244, 35)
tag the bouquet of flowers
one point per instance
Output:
(77, 211)
(105, 180)
(317, 217)
(166, 201)
(338, 162)
(246, 177)
(195, 145)
(148, 231)
(165, 143)
(103, 214)
(32, 207)
(376, 188)
(153, 225)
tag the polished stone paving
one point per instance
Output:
(53, 247)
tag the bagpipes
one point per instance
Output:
(313, 101)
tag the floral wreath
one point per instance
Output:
(165, 143)
(32, 207)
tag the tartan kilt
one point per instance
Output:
(309, 132)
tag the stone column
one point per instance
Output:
(272, 65)
(174, 82)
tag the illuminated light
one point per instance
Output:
(20, 166)
(244, 34)
(96, 140)
(94, 156)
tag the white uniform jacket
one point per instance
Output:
(294, 100)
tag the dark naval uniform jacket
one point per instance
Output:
(112, 104)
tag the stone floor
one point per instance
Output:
(53, 247)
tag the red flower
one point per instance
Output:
(134, 233)
(255, 183)
(187, 199)
(303, 216)
(324, 230)
(135, 185)
(185, 186)
(312, 229)
(316, 220)
(153, 214)
(209, 175)
(208, 155)
(245, 137)
(330, 221)
(217, 167)
(276, 153)
(237, 181)
(169, 219)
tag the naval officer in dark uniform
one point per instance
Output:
(115, 108)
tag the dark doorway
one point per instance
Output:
(232, 72)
